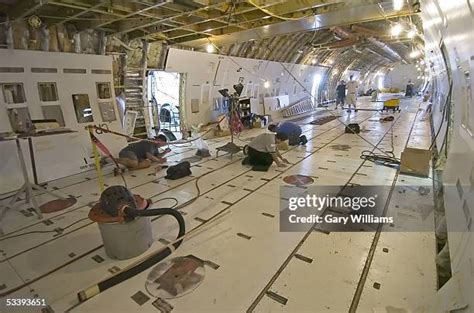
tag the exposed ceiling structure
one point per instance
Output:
(339, 34)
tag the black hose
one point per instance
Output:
(387, 159)
(163, 211)
(145, 264)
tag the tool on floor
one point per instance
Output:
(126, 231)
(179, 170)
(352, 128)
(387, 119)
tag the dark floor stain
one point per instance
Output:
(341, 147)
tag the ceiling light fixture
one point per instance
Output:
(396, 30)
(266, 84)
(210, 48)
(411, 34)
(398, 5)
(415, 54)
(317, 78)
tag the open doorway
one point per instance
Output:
(164, 98)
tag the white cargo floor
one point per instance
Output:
(272, 271)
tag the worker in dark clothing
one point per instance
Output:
(141, 154)
(262, 152)
(292, 130)
(340, 94)
(409, 89)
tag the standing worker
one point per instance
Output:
(262, 151)
(409, 89)
(351, 93)
(341, 94)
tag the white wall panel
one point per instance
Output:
(57, 155)
(450, 24)
(228, 70)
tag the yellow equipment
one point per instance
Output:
(392, 104)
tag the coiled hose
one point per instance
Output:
(144, 264)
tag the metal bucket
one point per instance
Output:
(126, 240)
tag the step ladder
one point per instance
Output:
(136, 98)
(299, 107)
(302, 106)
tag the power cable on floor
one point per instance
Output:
(388, 158)
(381, 159)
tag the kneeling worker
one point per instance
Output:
(262, 151)
(292, 130)
(141, 154)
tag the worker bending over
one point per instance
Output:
(291, 130)
(141, 154)
(351, 93)
(262, 151)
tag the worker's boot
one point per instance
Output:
(303, 140)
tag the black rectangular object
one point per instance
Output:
(352, 128)
(177, 171)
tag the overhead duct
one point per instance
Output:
(346, 16)
(386, 49)
(364, 31)
(342, 43)
(341, 32)
(380, 55)
(350, 39)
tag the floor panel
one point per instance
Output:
(259, 267)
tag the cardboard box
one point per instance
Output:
(415, 162)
